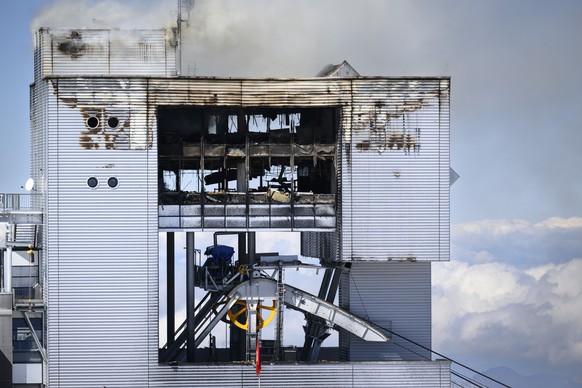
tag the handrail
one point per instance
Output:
(19, 202)
(453, 362)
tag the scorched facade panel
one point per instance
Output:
(395, 166)
(101, 241)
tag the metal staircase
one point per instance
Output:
(22, 235)
(24, 219)
(24, 225)
(174, 349)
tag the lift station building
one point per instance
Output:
(358, 165)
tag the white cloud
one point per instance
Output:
(560, 223)
(491, 227)
(515, 311)
(518, 242)
(484, 257)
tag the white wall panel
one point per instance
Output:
(395, 166)
(323, 245)
(395, 296)
(337, 375)
(27, 374)
(101, 243)
(106, 52)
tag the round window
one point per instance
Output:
(112, 182)
(113, 122)
(92, 182)
(92, 122)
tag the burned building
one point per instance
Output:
(125, 149)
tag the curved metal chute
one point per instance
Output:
(334, 315)
(261, 289)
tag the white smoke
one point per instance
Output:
(264, 38)
(261, 38)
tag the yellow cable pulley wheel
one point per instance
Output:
(243, 269)
(243, 309)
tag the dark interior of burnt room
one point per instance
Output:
(238, 155)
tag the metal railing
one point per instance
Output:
(27, 293)
(19, 202)
(459, 372)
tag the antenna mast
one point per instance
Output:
(184, 9)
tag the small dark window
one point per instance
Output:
(92, 182)
(92, 122)
(113, 122)
(24, 346)
(112, 182)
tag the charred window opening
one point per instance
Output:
(253, 155)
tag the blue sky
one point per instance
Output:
(510, 294)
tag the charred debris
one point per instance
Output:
(246, 155)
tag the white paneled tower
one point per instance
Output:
(358, 165)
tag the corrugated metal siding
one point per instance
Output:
(396, 296)
(380, 374)
(106, 52)
(323, 245)
(38, 157)
(395, 166)
(38, 96)
(250, 93)
(101, 244)
(393, 171)
(38, 120)
(139, 52)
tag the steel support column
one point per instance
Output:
(316, 329)
(190, 300)
(8, 270)
(170, 287)
(238, 345)
(252, 250)
(251, 334)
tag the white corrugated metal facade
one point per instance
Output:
(323, 245)
(101, 250)
(101, 244)
(396, 296)
(336, 375)
(395, 171)
(106, 52)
